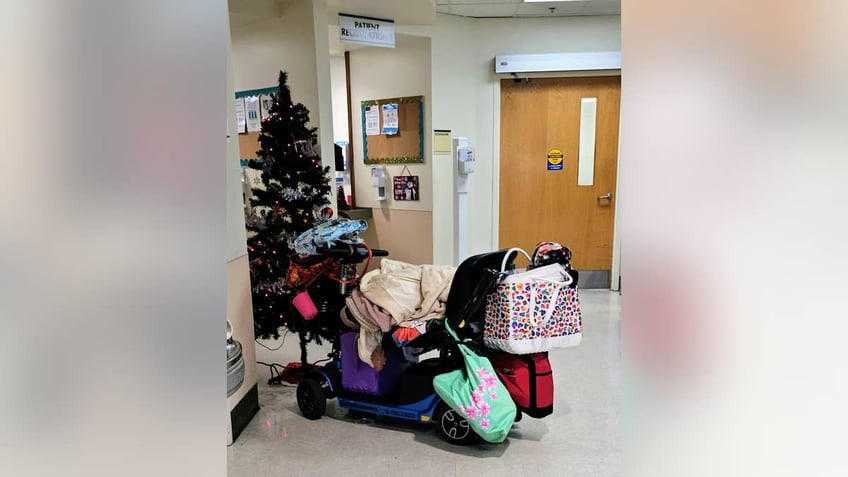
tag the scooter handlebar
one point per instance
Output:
(350, 251)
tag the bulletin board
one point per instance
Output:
(405, 147)
(248, 145)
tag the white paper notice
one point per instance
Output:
(390, 118)
(251, 106)
(372, 121)
(265, 103)
(241, 122)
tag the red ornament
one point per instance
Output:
(328, 212)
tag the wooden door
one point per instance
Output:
(537, 204)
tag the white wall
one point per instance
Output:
(261, 50)
(297, 43)
(464, 80)
(239, 305)
(455, 80)
(338, 84)
(377, 73)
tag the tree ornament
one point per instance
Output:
(281, 211)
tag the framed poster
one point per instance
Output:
(406, 188)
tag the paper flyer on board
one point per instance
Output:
(241, 122)
(251, 106)
(390, 118)
(265, 103)
(372, 121)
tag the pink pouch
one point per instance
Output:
(305, 306)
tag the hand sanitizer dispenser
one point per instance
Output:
(378, 180)
(464, 165)
(465, 159)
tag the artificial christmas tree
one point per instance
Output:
(293, 196)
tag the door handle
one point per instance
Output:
(607, 197)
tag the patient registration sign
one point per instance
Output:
(366, 31)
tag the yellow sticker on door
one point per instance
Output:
(554, 160)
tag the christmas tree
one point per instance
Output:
(292, 197)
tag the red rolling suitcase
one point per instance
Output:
(529, 380)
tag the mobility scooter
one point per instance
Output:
(402, 389)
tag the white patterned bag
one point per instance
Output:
(532, 311)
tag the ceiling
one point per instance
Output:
(403, 12)
(518, 8)
(423, 12)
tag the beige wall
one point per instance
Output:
(406, 234)
(297, 43)
(377, 73)
(404, 228)
(262, 49)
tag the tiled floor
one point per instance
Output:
(581, 437)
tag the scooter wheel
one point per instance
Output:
(310, 399)
(453, 427)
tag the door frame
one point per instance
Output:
(615, 272)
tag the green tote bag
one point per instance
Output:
(476, 393)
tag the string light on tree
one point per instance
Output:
(294, 187)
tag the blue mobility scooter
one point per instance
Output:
(404, 390)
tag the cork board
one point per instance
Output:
(248, 145)
(405, 147)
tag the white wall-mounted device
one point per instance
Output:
(596, 60)
(378, 180)
(465, 159)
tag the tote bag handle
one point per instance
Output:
(509, 253)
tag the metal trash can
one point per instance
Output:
(235, 364)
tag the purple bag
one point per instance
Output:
(358, 377)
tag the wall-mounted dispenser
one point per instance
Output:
(378, 180)
(463, 155)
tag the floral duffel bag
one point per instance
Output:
(533, 310)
